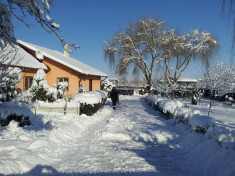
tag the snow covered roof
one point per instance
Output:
(182, 79)
(16, 56)
(65, 60)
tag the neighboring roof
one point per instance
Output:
(16, 56)
(182, 79)
(65, 60)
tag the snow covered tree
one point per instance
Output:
(107, 85)
(179, 50)
(39, 86)
(220, 79)
(164, 88)
(9, 77)
(147, 46)
(19, 9)
(137, 48)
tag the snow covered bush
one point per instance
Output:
(90, 102)
(22, 120)
(24, 96)
(40, 91)
(169, 106)
(61, 87)
(153, 100)
(56, 91)
(195, 120)
(39, 86)
(52, 94)
(183, 114)
(201, 123)
(224, 137)
(107, 85)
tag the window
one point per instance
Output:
(63, 80)
(28, 80)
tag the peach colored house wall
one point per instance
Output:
(57, 70)
(96, 82)
(29, 72)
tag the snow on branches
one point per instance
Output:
(19, 9)
(220, 77)
(107, 85)
(40, 91)
(136, 48)
(179, 50)
(9, 77)
(148, 45)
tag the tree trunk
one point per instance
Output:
(209, 110)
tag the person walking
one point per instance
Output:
(114, 97)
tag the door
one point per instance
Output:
(90, 84)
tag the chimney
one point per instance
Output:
(67, 51)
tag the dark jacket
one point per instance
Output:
(114, 94)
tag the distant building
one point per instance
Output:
(187, 82)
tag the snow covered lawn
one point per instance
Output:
(222, 113)
(133, 140)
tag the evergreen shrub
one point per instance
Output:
(21, 119)
(90, 109)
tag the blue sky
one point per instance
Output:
(89, 23)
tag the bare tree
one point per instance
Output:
(179, 50)
(19, 9)
(138, 48)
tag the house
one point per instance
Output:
(58, 68)
(187, 82)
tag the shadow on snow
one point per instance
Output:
(41, 170)
(37, 122)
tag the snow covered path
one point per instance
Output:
(127, 141)
(132, 140)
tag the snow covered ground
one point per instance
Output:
(132, 140)
(222, 113)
